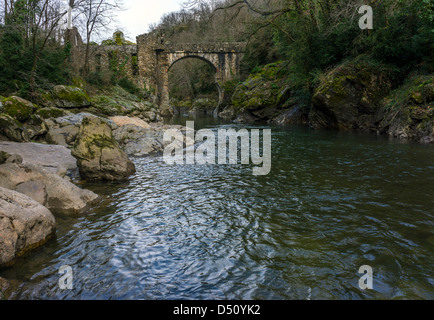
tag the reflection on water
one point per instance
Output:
(332, 202)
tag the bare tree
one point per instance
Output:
(96, 16)
(44, 19)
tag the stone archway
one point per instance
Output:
(217, 76)
(156, 58)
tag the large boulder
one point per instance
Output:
(294, 115)
(18, 108)
(64, 130)
(12, 129)
(350, 96)
(51, 112)
(123, 120)
(57, 194)
(24, 225)
(55, 159)
(138, 141)
(69, 97)
(98, 153)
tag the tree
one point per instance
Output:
(45, 16)
(95, 16)
(31, 24)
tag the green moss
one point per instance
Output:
(18, 108)
(7, 121)
(47, 113)
(264, 88)
(71, 94)
(417, 89)
(106, 105)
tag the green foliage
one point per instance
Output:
(417, 90)
(16, 59)
(191, 78)
(128, 85)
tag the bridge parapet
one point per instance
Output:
(219, 47)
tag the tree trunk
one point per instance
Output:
(33, 75)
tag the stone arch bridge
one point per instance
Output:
(155, 59)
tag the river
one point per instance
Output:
(333, 201)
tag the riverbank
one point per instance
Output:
(359, 94)
(49, 148)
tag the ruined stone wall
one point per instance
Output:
(104, 58)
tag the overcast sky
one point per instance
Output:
(139, 14)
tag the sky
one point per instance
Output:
(139, 14)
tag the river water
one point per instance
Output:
(333, 201)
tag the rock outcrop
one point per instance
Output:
(261, 96)
(408, 113)
(69, 97)
(98, 153)
(119, 102)
(53, 158)
(49, 189)
(18, 108)
(24, 225)
(350, 97)
(64, 130)
(19, 121)
(11, 129)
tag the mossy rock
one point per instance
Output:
(98, 153)
(70, 97)
(46, 113)
(18, 108)
(350, 96)
(409, 110)
(266, 88)
(186, 104)
(104, 105)
(12, 129)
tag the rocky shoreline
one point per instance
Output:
(359, 94)
(47, 149)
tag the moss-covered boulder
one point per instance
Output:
(350, 96)
(12, 129)
(98, 154)
(18, 108)
(47, 113)
(118, 102)
(408, 112)
(264, 90)
(106, 106)
(70, 97)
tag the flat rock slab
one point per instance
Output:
(54, 158)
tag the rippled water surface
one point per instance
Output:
(331, 203)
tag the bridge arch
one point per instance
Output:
(192, 57)
(155, 59)
(214, 67)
